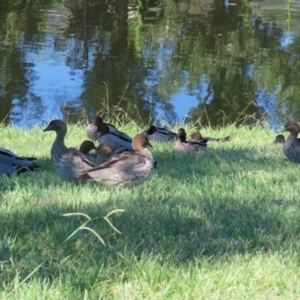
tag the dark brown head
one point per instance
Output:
(152, 129)
(292, 127)
(86, 147)
(58, 126)
(101, 126)
(279, 139)
(182, 135)
(196, 136)
(98, 120)
(140, 141)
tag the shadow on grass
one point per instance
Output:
(173, 231)
(173, 226)
(211, 161)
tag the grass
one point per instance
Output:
(220, 224)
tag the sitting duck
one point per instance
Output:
(117, 140)
(291, 145)
(68, 162)
(126, 169)
(92, 129)
(11, 163)
(160, 134)
(182, 145)
(107, 133)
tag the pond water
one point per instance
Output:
(200, 61)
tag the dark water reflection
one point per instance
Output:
(176, 61)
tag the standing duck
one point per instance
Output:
(160, 134)
(182, 145)
(291, 146)
(197, 137)
(127, 168)
(12, 163)
(68, 162)
(279, 139)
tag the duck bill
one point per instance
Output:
(48, 128)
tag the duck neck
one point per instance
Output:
(147, 153)
(182, 139)
(59, 141)
(293, 135)
(102, 128)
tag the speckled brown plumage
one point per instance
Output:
(182, 145)
(126, 169)
(68, 162)
(291, 146)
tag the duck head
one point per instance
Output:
(86, 147)
(140, 141)
(197, 136)
(279, 139)
(101, 126)
(182, 135)
(152, 129)
(98, 120)
(292, 127)
(58, 126)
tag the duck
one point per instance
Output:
(94, 131)
(182, 145)
(103, 152)
(117, 139)
(279, 139)
(8, 170)
(126, 169)
(197, 137)
(11, 163)
(160, 134)
(291, 146)
(68, 162)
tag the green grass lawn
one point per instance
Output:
(223, 223)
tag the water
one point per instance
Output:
(207, 62)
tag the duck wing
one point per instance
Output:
(224, 139)
(10, 158)
(126, 162)
(202, 143)
(116, 140)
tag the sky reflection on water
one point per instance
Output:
(162, 84)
